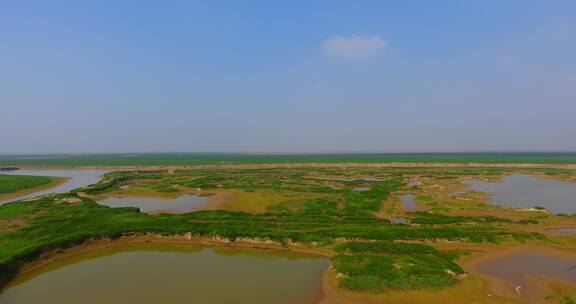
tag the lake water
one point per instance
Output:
(182, 204)
(526, 191)
(516, 267)
(77, 178)
(151, 274)
(408, 202)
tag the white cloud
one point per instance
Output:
(354, 46)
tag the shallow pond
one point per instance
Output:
(77, 178)
(517, 267)
(563, 231)
(361, 189)
(173, 274)
(526, 191)
(182, 204)
(408, 201)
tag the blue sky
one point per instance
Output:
(296, 76)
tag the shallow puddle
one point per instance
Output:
(181, 204)
(408, 201)
(151, 274)
(516, 268)
(526, 191)
(563, 231)
(361, 189)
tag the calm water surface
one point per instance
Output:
(526, 191)
(408, 202)
(155, 274)
(77, 178)
(517, 267)
(182, 204)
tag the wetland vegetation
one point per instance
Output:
(14, 187)
(316, 210)
(11, 184)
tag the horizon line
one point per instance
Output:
(294, 152)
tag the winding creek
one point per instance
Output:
(150, 273)
(76, 178)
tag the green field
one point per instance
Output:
(216, 158)
(15, 183)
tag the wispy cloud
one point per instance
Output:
(354, 46)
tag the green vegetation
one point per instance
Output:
(429, 218)
(15, 183)
(31, 227)
(218, 158)
(326, 211)
(380, 266)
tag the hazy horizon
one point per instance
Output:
(297, 77)
(127, 153)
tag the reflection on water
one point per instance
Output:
(151, 274)
(408, 202)
(525, 191)
(77, 178)
(517, 267)
(182, 204)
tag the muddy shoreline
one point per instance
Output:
(540, 287)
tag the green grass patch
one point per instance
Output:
(382, 266)
(15, 183)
